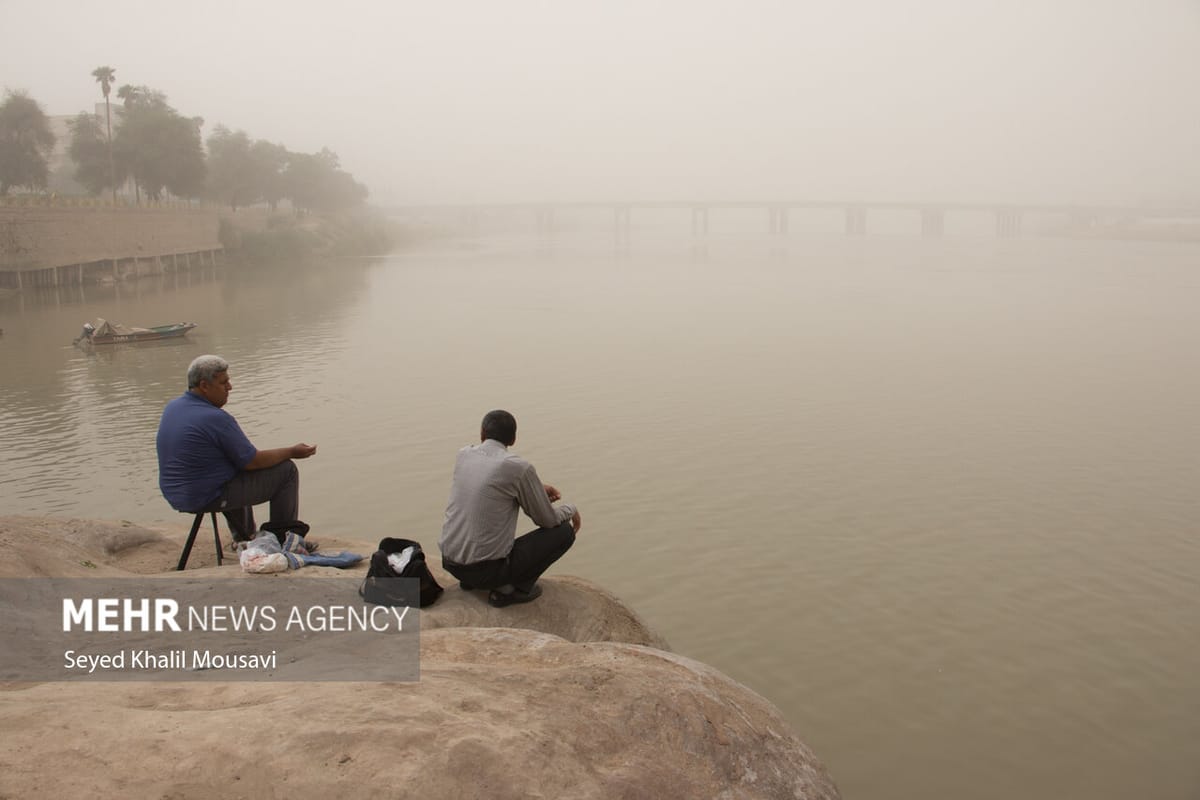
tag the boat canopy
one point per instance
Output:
(106, 328)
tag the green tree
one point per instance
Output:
(160, 149)
(314, 183)
(26, 142)
(231, 168)
(270, 161)
(189, 169)
(104, 76)
(134, 97)
(90, 150)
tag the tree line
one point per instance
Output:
(147, 142)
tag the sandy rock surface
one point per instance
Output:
(565, 701)
(573, 608)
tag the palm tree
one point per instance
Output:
(104, 76)
(132, 95)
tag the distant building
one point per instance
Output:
(62, 169)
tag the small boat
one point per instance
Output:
(105, 332)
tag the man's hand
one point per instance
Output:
(303, 450)
(576, 522)
(269, 458)
(554, 494)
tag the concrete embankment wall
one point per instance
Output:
(42, 245)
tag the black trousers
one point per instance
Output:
(532, 554)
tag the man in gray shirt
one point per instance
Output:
(490, 486)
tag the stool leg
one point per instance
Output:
(216, 537)
(187, 548)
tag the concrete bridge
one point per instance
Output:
(929, 218)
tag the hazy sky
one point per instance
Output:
(493, 100)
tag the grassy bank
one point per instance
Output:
(290, 238)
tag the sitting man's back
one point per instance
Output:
(206, 463)
(491, 485)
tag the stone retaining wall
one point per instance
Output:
(36, 238)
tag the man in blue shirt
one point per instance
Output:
(206, 463)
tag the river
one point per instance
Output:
(935, 499)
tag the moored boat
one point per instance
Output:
(105, 332)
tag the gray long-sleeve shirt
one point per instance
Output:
(490, 485)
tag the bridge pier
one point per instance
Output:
(1081, 221)
(544, 217)
(1008, 223)
(699, 220)
(777, 220)
(856, 221)
(470, 221)
(621, 226)
(933, 222)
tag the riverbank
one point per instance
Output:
(288, 237)
(569, 696)
(55, 245)
(61, 245)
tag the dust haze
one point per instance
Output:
(1093, 101)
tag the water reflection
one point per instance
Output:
(935, 499)
(79, 424)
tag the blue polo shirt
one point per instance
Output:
(200, 448)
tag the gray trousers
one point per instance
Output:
(279, 485)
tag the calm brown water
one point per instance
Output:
(936, 500)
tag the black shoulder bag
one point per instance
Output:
(380, 586)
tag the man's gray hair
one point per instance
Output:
(205, 368)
